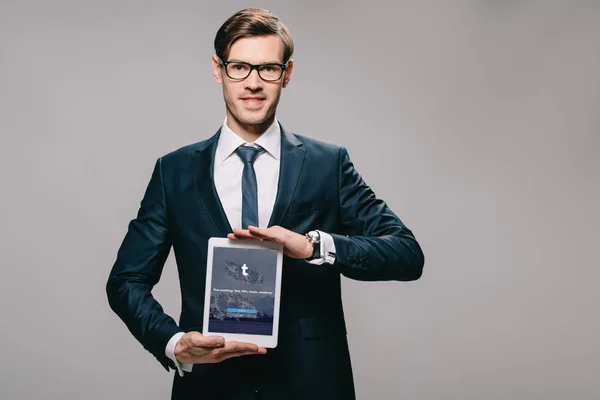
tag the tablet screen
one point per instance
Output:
(243, 291)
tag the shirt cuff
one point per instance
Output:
(327, 250)
(170, 352)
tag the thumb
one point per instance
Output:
(196, 339)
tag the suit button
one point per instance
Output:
(257, 395)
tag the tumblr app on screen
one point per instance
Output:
(243, 291)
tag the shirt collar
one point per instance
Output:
(229, 141)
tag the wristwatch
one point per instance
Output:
(315, 239)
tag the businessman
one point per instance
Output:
(255, 179)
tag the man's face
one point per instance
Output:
(251, 103)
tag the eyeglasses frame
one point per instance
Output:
(253, 67)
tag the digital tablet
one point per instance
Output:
(243, 286)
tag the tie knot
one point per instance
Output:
(248, 154)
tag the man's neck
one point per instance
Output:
(248, 132)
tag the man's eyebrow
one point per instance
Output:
(266, 62)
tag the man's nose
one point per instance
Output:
(253, 81)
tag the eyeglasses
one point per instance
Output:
(238, 70)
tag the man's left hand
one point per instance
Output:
(294, 244)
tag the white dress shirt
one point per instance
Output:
(228, 169)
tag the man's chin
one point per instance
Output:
(257, 119)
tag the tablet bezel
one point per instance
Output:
(267, 341)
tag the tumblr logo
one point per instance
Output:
(245, 270)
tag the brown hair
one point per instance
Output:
(252, 22)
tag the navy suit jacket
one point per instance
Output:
(318, 189)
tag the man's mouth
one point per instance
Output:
(252, 100)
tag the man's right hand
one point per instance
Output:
(195, 348)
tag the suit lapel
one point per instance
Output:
(292, 159)
(203, 163)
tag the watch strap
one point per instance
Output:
(315, 239)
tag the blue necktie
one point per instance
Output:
(249, 186)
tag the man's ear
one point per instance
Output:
(288, 73)
(217, 70)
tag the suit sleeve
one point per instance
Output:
(138, 268)
(376, 245)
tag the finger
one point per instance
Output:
(269, 234)
(240, 354)
(242, 233)
(225, 356)
(257, 349)
(255, 230)
(231, 236)
(235, 349)
(207, 341)
(261, 233)
(235, 346)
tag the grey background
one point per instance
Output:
(477, 121)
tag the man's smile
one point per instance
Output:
(253, 100)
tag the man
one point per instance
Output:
(253, 179)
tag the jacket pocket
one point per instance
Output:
(315, 328)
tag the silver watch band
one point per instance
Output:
(315, 239)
